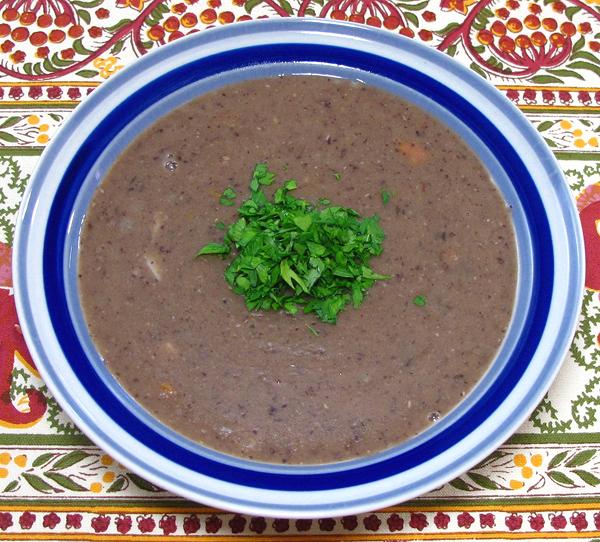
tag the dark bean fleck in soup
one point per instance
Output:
(262, 385)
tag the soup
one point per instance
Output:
(271, 386)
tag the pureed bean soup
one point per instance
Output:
(267, 385)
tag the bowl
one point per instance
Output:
(549, 246)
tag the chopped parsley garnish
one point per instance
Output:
(420, 300)
(228, 197)
(385, 197)
(337, 176)
(292, 255)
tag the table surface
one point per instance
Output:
(544, 482)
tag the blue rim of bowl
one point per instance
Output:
(542, 250)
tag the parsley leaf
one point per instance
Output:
(228, 197)
(385, 197)
(291, 255)
(214, 248)
(420, 300)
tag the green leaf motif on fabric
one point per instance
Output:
(11, 192)
(545, 418)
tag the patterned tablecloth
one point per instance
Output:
(544, 482)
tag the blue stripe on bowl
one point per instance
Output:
(58, 223)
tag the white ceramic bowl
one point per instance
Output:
(549, 255)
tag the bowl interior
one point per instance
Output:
(171, 101)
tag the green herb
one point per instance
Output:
(312, 330)
(338, 176)
(420, 300)
(385, 197)
(228, 197)
(292, 255)
(214, 248)
(220, 225)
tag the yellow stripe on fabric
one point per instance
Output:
(149, 509)
(551, 89)
(542, 507)
(18, 104)
(51, 83)
(586, 108)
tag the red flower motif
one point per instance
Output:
(74, 521)
(237, 524)
(42, 52)
(418, 521)
(584, 97)
(536, 522)
(548, 97)
(74, 93)
(100, 523)
(18, 56)
(426, 35)
(16, 93)
(303, 524)
(191, 524)
(326, 524)
(51, 520)
(146, 524)
(350, 522)
(67, 54)
(537, 42)
(54, 93)
(213, 524)
(7, 46)
(487, 520)
(372, 522)
(514, 522)
(395, 523)
(579, 521)
(124, 524)
(102, 13)
(34, 93)
(558, 521)
(95, 31)
(565, 97)
(597, 96)
(281, 525)
(26, 520)
(6, 520)
(597, 520)
(168, 524)
(512, 95)
(441, 520)
(465, 520)
(529, 96)
(257, 525)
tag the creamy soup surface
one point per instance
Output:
(262, 385)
